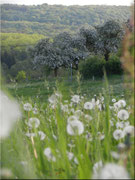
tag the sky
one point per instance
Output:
(69, 2)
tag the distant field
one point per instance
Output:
(42, 89)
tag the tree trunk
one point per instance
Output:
(106, 56)
(55, 72)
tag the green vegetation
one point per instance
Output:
(51, 20)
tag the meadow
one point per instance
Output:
(79, 129)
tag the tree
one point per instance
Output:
(61, 52)
(104, 39)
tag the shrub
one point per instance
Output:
(93, 66)
(114, 65)
(21, 76)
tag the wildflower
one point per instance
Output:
(118, 134)
(27, 107)
(129, 130)
(97, 167)
(116, 105)
(30, 134)
(113, 100)
(75, 127)
(76, 160)
(88, 117)
(89, 137)
(122, 103)
(120, 124)
(53, 99)
(101, 136)
(112, 171)
(9, 114)
(42, 135)
(121, 146)
(70, 155)
(123, 114)
(115, 155)
(75, 99)
(72, 118)
(78, 113)
(64, 108)
(35, 110)
(49, 155)
(88, 105)
(111, 123)
(33, 122)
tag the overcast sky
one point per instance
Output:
(69, 2)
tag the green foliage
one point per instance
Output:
(93, 66)
(52, 20)
(114, 65)
(21, 76)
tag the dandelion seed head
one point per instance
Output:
(123, 114)
(42, 135)
(75, 127)
(9, 114)
(129, 130)
(112, 171)
(33, 122)
(75, 99)
(118, 134)
(49, 155)
(88, 106)
(27, 107)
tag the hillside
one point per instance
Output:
(50, 20)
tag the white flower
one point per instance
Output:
(88, 117)
(75, 127)
(9, 114)
(112, 171)
(129, 130)
(101, 136)
(64, 107)
(111, 123)
(75, 99)
(88, 105)
(70, 155)
(118, 134)
(113, 100)
(49, 155)
(42, 135)
(116, 105)
(97, 166)
(123, 114)
(72, 118)
(53, 99)
(120, 124)
(78, 113)
(115, 155)
(122, 103)
(89, 137)
(30, 134)
(76, 160)
(27, 107)
(35, 110)
(33, 122)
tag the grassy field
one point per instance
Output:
(65, 132)
(42, 89)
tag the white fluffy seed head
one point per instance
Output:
(123, 114)
(118, 134)
(9, 114)
(88, 106)
(75, 127)
(27, 107)
(33, 122)
(112, 171)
